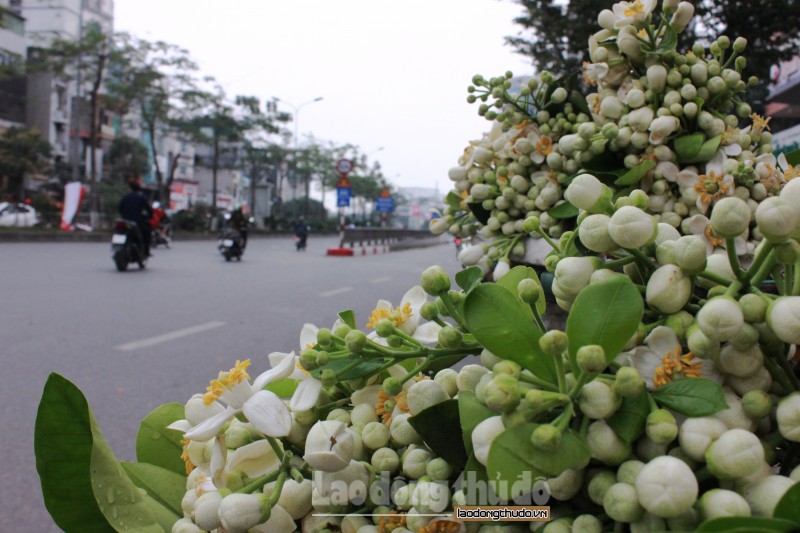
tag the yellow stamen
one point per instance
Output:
(676, 366)
(226, 380)
(388, 524)
(544, 145)
(215, 390)
(239, 372)
(760, 123)
(729, 134)
(713, 238)
(711, 187)
(552, 177)
(634, 8)
(185, 456)
(400, 402)
(442, 526)
(791, 172)
(398, 316)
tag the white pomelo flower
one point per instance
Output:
(667, 487)
(630, 227)
(735, 454)
(329, 446)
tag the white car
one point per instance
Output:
(18, 215)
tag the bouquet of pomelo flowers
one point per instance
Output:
(668, 402)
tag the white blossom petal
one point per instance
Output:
(283, 370)
(209, 427)
(308, 336)
(180, 425)
(268, 414)
(306, 395)
(427, 333)
(662, 340)
(255, 459)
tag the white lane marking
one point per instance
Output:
(334, 292)
(380, 280)
(158, 339)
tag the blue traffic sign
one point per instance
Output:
(343, 196)
(384, 205)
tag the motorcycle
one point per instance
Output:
(458, 245)
(230, 244)
(127, 245)
(162, 235)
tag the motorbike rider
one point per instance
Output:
(239, 222)
(301, 233)
(159, 220)
(134, 206)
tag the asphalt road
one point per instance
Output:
(135, 340)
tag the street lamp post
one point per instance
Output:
(296, 109)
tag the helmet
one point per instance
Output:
(156, 205)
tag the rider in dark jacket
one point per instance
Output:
(134, 206)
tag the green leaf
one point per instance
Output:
(157, 445)
(691, 396)
(478, 211)
(453, 200)
(563, 210)
(636, 174)
(512, 453)
(472, 481)
(578, 101)
(708, 150)
(471, 412)
(793, 158)
(606, 313)
(469, 277)
(747, 524)
(349, 318)
(500, 322)
(630, 420)
(512, 279)
(437, 425)
(688, 146)
(669, 41)
(84, 486)
(165, 487)
(788, 507)
(283, 388)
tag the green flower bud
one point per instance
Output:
(588, 193)
(324, 337)
(667, 487)
(322, 359)
(529, 291)
(506, 367)
(628, 471)
(777, 218)
(394, 341)
(435, 280)
(450, 337)
(756, 404)
(689, 253)
(546, 437)
(597, 400)
(385, 327)
(531, 225)
(554, 342)
(428, 311)
(341, 331)
(501, 394)
(375, 435)
(392, 386)
(355, 340)
(587, 524)
(787, 253)
(735, 454)
(730, 217)
(599, 485)
(385, 460)
(591, 359)
(605, 444)
(469, 376)
(559, 95)
(720, 503)
(746, 338)
(415, 462)
(402, 432)
(783, 318)
(740, 363)
(631, 227)
(661, 426)
(679, 323)
(448, 379)
(593, 232)
(629, 382)
(308, 359)
(438, 469)
(621, 503)
(328, 378)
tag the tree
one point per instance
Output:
(554, 34)
(156, 82)
(127, 157)
(22, 152)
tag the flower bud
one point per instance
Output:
(424, 394)
(384, 328)
(689, 254)
(605, 444)
(661, 128)
(621, 503)
(640, 119)
(756, 404)
(777, 219)
(184, 525)
(470, 256)
(554, 342)
(668, 289)
(740, 363)
(720, 318)
(546, 437)
(593, 232)
(483, 435)
(788, 417)
(329, 446)
(598, 400)
(735, 454)
(206, 511)
(591, 359)
(588, 193)
(402, 431)
(783, 318)
(375, 435)
(501, 394)
(632, 228)
(529, 291)
(240, 512)
(661, 426)
(450, 337)
(656, 77)
(730, 217)
(355, 340)
(438, 225)
(696, 435)
(385, 460)
(435, 280)
(469, 376)
(667, 487)
(628, 382)
(764, 495)
(719, 503)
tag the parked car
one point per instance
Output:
(18, 215)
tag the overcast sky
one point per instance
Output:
(392, 74)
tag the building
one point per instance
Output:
(417, 207)
(783, 105)
(12, 54)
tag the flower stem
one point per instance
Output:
(716, 278)
(539, 382)
(562, 383)
(754, 267)
(259, 483)
(537, 317)
(275, 447)
(730, 248)
(619, 262)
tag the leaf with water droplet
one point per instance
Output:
(157, 445)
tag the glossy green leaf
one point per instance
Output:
(473, 480)
(691, 397)
(453, 200)
(688, 146)
(788, 507)
(512, 453)
(362, 369)
(563, 210)
(636, 174)
(157, 445)
(668, 41)
(630, 420)
(437, 425)
(481, 215)
(501, 323)
(511, 280)
(165, 487)
(440, 363)
(469, 277)
(747, 524)
(349, 318)
(84, 486)
(708, 150)
(283, 388)
(606, 313)
(793, 158)
(471, 412)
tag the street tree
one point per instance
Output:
(22, 152)
(127, 157)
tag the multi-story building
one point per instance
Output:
(12, 54)
(783, 105)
